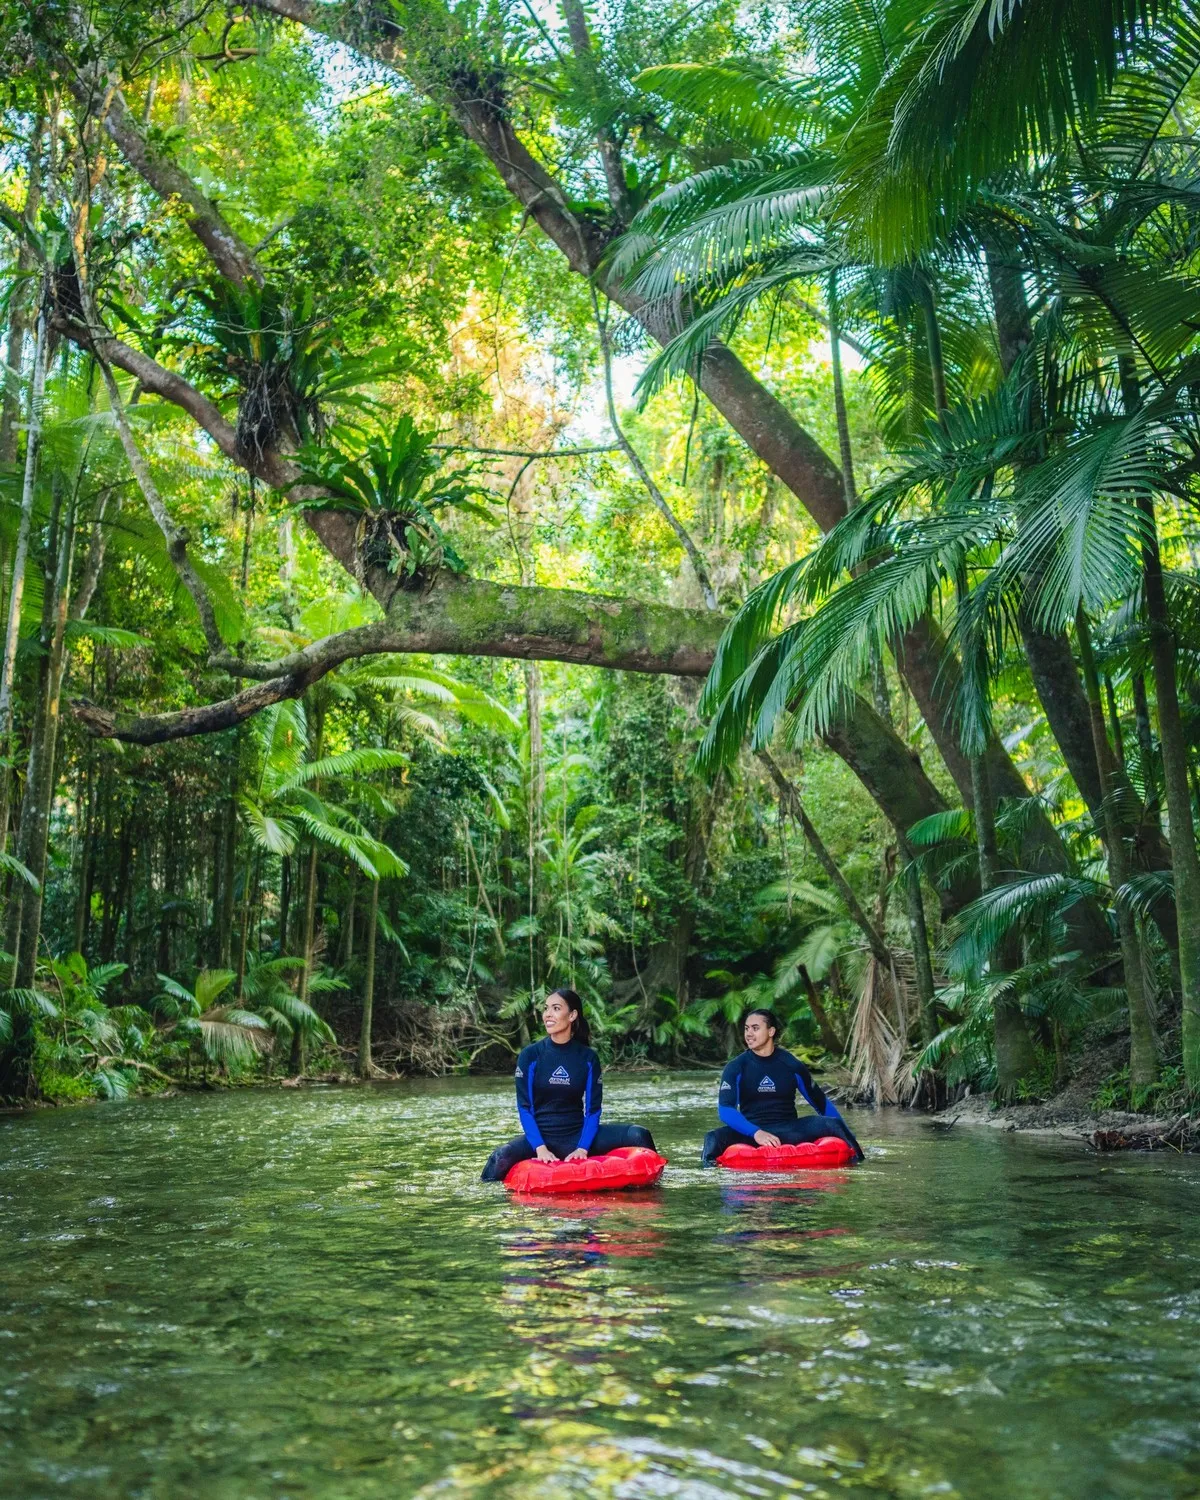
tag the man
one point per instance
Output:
(756, 1102)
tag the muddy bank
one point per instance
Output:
(1110, 1130)
(1072, 1112)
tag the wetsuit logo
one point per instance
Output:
(726, 1085)
(560, 1075)
(520, 1073)
(767, 1086)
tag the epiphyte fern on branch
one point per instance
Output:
(397, 485)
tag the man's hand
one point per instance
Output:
(765, 1138)
(544, 1153)
(579, 1154)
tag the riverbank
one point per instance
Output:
(1107, 1130)
(1070, 1114)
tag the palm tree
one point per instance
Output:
(1072, 530)
(228, 1035)
(269, 994)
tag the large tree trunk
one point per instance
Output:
(893, 775)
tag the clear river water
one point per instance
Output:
(310, 1294)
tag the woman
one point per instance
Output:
(558, 1096)
(756, 1101)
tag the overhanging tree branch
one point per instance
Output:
(458, 617)
(157, 380)
(231, 256)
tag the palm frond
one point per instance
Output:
(742, 98)
(988, 920)
(210, 983)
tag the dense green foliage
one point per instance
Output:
(333, 309)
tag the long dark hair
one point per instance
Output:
(581, 1032)
(768, 1016)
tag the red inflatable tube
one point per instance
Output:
(828, 1151)
(626, 1167)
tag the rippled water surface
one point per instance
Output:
(310, 1294)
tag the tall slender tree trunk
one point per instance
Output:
(846, 452)
(83, 887)
(933, 343)
(365, 1063)
(285, 901)
(1145, 744)
(1143, 1046)
(348, 922)
(1015, 1057)
(25, 907)
(296, 1063)
(536, 804)
(248, 885)
(18, 307)
(25, 913)
(827, 1031)
(228, 869)
(918, 929)
(1174, 749)
(686, 541)
(16, 593)
(114, 889)
(790, 800)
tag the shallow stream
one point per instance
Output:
(309, 1294)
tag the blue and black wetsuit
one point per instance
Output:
(559, 1096)
(759, 1093)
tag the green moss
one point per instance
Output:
(65, 1088)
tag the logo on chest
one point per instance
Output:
(767, 1086)
(561, 1076)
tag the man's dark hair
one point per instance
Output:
(768, 1016)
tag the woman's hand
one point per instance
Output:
(544, 1153)
(579, 1154)
(765, 1138)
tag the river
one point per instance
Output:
(285, 1294)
